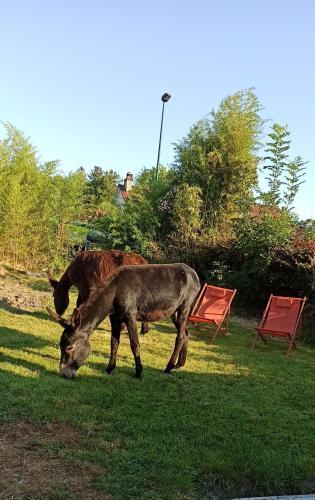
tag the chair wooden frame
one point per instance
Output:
(195, 316)
(290, 335)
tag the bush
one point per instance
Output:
(287, 270)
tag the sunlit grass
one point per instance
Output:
(232, 421)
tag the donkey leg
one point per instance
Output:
(144, 328)
(183, 352)
(114, 343)
(174, 319)
(182, 316)
(134, 344)
(79, 300)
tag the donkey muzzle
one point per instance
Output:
(67, 372)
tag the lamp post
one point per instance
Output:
(165, 97)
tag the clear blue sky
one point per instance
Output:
(83, 79)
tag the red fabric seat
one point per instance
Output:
(213, 306)
(281, 318)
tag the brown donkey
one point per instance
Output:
(88, 270)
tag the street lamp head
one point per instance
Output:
(166, 97)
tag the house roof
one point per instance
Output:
(258, 209)
(125, 194)
(122, 191)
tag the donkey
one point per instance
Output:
(132, 293)
(87, 270)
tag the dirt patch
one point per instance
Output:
(30, 469)
(14, 294)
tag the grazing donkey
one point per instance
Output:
(87, 270)
(132, 293)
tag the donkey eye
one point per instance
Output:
(70, 349)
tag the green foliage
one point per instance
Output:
(100, 189)
(187, 221)
(36, 205)
(284, 176)
(277, 157)
(258, 240)
(295, 173)
(259, 237)
(219, 155)
(308, 228)
(137, 225)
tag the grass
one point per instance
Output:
(231, 423)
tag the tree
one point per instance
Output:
(186, 213)
(37, 205)
(18, 172)
(308, 228)
(219, 154)
(139, 225)
(277, 158)
(259, 240)
(295, 173)
(101, 188)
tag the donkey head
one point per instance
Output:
(60, 294)
(74, 344)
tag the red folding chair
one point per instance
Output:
(213, 306)
(282, 318)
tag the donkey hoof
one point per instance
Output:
(138, 374)
(178, 365)
(109, 369)
(169, 367)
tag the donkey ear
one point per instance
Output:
(75, 318)
(54, 283)
(59, 319)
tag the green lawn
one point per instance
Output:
(231, 423)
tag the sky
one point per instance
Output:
(84, 79)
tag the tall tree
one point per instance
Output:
(186, 213)
(295, 174)
(101, 188)
(36, 205)
(277, 163)
(219, 155)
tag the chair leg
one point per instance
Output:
(292, 344)
(216, 333)
(227, 321)
(194, 324)
(254, 343)
(262, 338)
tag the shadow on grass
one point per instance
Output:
(16, 339)
(30, 365)
(25, 312)
(43, 355)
